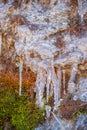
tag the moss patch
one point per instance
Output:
(22, 113)
(79, 112)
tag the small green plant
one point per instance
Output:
(0, 127)
(23, 114)
(80, 111)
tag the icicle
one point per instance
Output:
(63, 71)
(20, 76)
(73, 72)
(0, 44)
(48, 111)
(59, 75)
(40, 84)
(48, 83)
(80, 9)
(71, 84)
(59, 1)
(56, 87)
(37, 88)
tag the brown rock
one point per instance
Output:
(44, 3)
(69, 107)
(20, 20)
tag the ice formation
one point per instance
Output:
(40, 86)
(82, 8)
(71, 83)
(36, 46)
(34, 40)
(82, 89)
(49, 77)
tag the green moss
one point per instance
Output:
(0, 127)
(22, 113)
(4, 1)
(79, 112)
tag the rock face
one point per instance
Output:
(49, 38)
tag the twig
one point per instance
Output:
(83, 104)
(58, 121)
